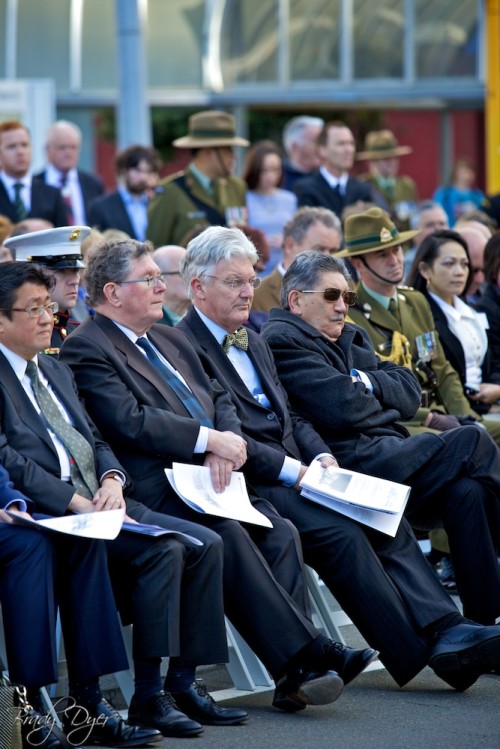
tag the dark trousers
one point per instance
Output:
(265, 594)
(39, 571)
(456, 490)
(171, 591)
(384, 584)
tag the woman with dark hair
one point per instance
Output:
(440, 271)
(489, 302)
(269, 206)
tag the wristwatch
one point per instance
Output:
(116, 477)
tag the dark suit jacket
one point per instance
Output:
(314, 190)
(135, 407)
(46, 202)
(361, 427)
(490, 303)
(91, 187)
(109, 212)
(26, 450)
(271, 434)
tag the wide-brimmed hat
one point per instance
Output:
(210, 130)
(382, 144)
(370, 232)
(57, 249)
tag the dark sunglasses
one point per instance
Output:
(332, 295)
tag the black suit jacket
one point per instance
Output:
(91, 187)
(314, 190)
(26, 450)
(109, 212)
(46, 202)
(135, 408)
(361, 427)
(271, 434)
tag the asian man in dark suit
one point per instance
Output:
(381, 582)
(21, 195)
(150, 424)
(164, 586)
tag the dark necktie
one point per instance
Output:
(187, 398)
(394, 308)
(82, 465)
(19, 205)
(239, 339)
(67, 198)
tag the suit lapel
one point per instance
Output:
(6, 206)
(22, 404)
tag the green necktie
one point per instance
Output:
(81, 456)
(19, 202)
(239, 339)
(394, 308)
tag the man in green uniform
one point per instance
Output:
(400, 324)
(398, 191)
(206, 193)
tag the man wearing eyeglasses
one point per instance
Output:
(381, 582)
(357, 402)
(145, 388)
(59, 250)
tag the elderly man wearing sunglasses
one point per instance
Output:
(384, 584)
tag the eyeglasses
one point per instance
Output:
(35, 312)
(238, 283)
(149, 280)
(172, 273)
(332, 295)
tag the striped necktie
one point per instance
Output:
(187, 398)
(81, 455)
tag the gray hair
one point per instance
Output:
(294, 129)
(424, 205)
(306, 271)
(305, 217)
(214, 244)
(62, 125)
(111, 262)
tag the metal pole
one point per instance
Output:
(492, 102)
(133, 114)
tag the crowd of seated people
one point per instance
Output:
(108, 398)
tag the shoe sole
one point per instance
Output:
(165, 732)
(349, 674)
(321, 691)
(467, 665)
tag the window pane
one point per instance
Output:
(99, 48)
(314, 39)
(174, 42)
(378, 38)
(446, 38)
(43, 41)
(249, 41)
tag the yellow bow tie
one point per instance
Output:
(239, 339)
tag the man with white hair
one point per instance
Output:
(299, 141)
(78, 187)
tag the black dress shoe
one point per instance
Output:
(38, 729)
(298, 689)
(347, 662)
(198, 704)
(464, 652)
(102, 724)
(160, 711)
